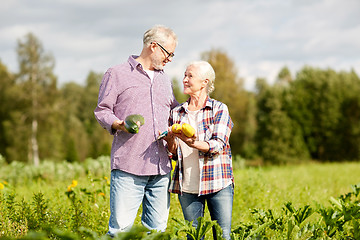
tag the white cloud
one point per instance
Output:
(260, 36)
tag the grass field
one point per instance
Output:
(25, 189)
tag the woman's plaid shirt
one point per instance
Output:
(214, 127)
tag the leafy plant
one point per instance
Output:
(345, 211)
(202, 228)
(301, 214)
(51, 209)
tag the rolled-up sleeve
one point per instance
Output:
(104, 112)
(221, 132)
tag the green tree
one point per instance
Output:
(83, 137)
(316, 107)
(284, 77)
(38, 83)
(229, 90)
(75, 140)
(348, 130)
(7, 99)
(279, 137)
(100, 140)
(317, 114)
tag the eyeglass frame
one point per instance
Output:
(166, 51)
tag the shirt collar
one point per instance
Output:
(208, 104)
(133, 62)
(136, 65)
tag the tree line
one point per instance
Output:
(315, 115)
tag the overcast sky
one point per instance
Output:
(260, 36)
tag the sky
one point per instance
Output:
(259, 36)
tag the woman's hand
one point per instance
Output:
(190, 141)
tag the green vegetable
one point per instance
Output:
(130, 123)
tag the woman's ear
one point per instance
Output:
(205, 82)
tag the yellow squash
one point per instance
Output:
(176, 128)
(188, 130)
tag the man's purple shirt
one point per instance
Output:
(126, 89)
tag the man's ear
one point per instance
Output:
(152, 46)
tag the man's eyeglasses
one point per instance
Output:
(169, 54)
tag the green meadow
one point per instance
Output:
(58, 199)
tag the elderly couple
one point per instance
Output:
(141, 164)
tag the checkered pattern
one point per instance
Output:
(214, 127)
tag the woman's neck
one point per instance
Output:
(197, 102)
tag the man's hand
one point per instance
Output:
(170, 140)
(120, 125)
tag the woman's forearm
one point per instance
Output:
(200, 145)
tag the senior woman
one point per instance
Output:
(203, 173)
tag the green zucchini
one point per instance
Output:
(130, 123)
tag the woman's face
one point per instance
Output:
(193, 84)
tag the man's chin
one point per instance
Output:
(159, 68)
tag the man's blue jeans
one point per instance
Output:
(219, 205)
(128, 191)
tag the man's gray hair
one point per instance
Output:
(159, 34)
(205, 71)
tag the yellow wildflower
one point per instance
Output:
(102, 194)
(5, 183)
(74, 183)
(1, 186)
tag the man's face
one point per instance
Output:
(163, 54)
